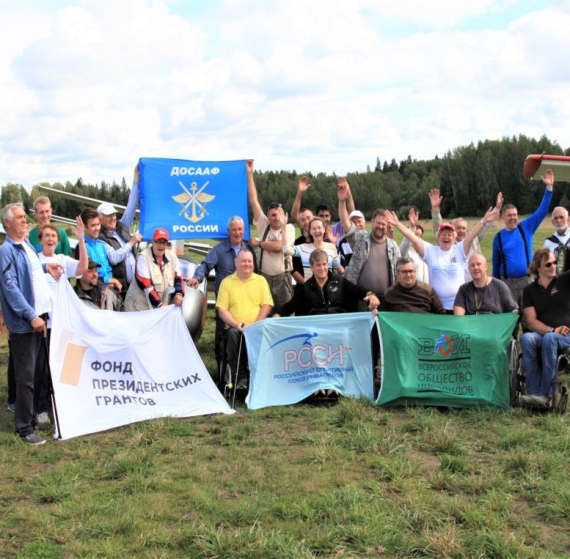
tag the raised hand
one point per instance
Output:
(414, 217)
(303, 184)
(435, 199)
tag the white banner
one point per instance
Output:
(113, 368)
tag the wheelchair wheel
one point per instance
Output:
(559, 397)
(516, 372)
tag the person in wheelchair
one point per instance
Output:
(325, 292)
(484, 294)
(244, 298)
(546, 308)
(157, 276)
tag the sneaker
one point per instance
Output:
(43, 421)
(242, 384)
(33, 439)
(534, 400)
(12, 408)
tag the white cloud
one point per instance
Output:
(95, 84)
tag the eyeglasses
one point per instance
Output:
(406, 272)
(549, 264)
(274, 206)
(160, 242)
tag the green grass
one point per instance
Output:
(340, 481)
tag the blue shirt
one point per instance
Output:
(513, 253)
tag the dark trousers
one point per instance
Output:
(233, 339)
(11, 377)
(45, 404)
(29, 356)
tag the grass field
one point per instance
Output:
(348, 480)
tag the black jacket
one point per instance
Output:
(338, 295)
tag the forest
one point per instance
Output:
(469, 178)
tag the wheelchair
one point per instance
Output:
(559, 398)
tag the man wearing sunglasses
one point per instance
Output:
(546, 307)
(274, 266)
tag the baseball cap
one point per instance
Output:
(356, 213)
(160, 234)
(446, 225)
(106, 208)
(92, 264)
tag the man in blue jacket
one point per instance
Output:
(512, 246)
(25, 297)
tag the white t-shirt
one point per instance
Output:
(446, 272)
(69, 266)
(41, 289)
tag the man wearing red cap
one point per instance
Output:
(157, 276)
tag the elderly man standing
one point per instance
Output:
(116, 234)
(25, 297)
(512, 246)
(244, 298)
(221, 258)
(410, 295)
(558, 243)
(274, 266)
(43, 212)
(484, 294)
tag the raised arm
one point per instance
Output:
(252, 191)
(343, 192)
(127, 217)
(417, 242)
(301, 189)
(498, 205)
(491, 215)
(79, 232)
(435, 203)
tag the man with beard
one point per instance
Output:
(93, 293)
(374, 255)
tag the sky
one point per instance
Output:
(89, 86)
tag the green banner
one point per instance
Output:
(443, 360)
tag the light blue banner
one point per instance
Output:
(291, 358)
(191, 199)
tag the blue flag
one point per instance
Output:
(290, 358)
(191, 199)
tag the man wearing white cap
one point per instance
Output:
(116, 234)
(157, 276)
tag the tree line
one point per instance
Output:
(469, 179)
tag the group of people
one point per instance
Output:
(343, 267)
(108, 276)
(329, 268)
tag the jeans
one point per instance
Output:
(540, 374)
(29, 355)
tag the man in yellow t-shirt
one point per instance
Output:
(244, 298)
